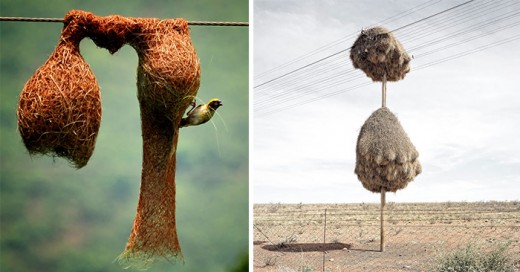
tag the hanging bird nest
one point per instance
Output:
(59, 110)
(168, 77)
(377, 52)
(385, 156)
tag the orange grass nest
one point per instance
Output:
(59, 110)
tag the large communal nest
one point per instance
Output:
(378, 53)
(385, 156)
(59, 110)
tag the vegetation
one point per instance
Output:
(474, 259)
(417, 234)
(56, 218)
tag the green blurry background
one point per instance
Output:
(57, 218)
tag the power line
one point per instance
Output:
(336, 53)
(60, 20)
(282, 98)
(465, 40)
(465, 53)
(321, 70)
(31, 19)
(432, 63)
(433, 15)
(333, 64)
(338, 41)
(303, 67)
(451, 19)
(465, 31)
(314, 99)
(314, 84)
(324, 68)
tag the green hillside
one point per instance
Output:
(56, 218)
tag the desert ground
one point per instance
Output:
(346, 237)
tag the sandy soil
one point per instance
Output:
(346, 237)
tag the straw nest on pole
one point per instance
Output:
(378, 53)
(386, 159)
(385, 156)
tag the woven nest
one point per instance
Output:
(377, 52)
(385, 156)
(59, 110)
(168, 77)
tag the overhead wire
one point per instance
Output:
(338, 52)
(316, 73)
(451, 45)
(420, 67)
(433, 15)
(300, 69)
(342, 39)
(268, 112)
(472, 51)
(331, 81)
(447, 21)
(464, 31)
(263, 106)
(303, 67)
(60, 20)
(335, 53)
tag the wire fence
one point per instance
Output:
(346, 237)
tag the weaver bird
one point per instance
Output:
(201, 113)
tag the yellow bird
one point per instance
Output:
(201, 113)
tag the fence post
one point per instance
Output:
(324, 238)
(383, 208)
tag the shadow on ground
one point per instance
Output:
(307, 247)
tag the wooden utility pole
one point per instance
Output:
(383, 208)
(383, 196)
(383, 98)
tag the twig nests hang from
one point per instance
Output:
(385, 156)
(377, 52)
(59, 110)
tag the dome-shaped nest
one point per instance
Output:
(385, 156)
(377, 52)
(59, 110)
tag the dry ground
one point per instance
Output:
(346, 237)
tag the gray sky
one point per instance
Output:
(462, 114)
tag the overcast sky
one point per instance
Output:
(461, 111)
